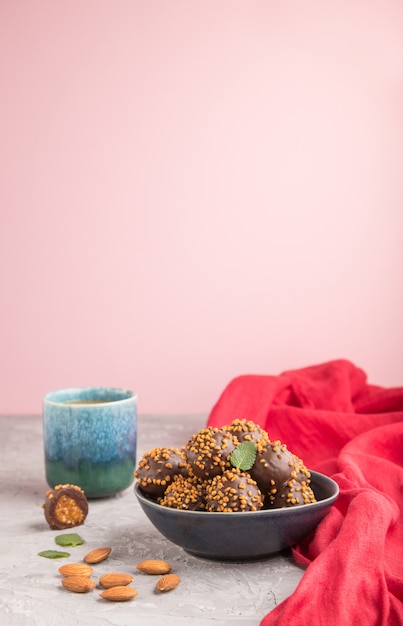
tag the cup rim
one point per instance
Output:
(49, 398)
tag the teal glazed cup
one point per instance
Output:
(90, 436)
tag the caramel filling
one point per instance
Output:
(68, 511)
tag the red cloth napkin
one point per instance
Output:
(346, 428)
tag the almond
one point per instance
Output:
(119, 594)
(168, 582)
(78, 584)
(97, 555)
(115, 579)
(154, 566)
(75, 569)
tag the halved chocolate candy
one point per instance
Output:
(66, 506)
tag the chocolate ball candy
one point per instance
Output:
(246, 430)
(185, 492)
(208, 451)
(157, 469)
(65, 506)
(233, 491)
(273, 467)
(292, 493)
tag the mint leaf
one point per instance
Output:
(53, 554)
(243, 457)
(69, 539)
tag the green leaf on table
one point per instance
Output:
(69, 539)
(53, 554)
(244, 455)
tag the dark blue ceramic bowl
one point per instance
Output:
(241, 536)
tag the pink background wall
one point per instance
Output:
(196, 190)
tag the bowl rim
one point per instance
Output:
(144, 499)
